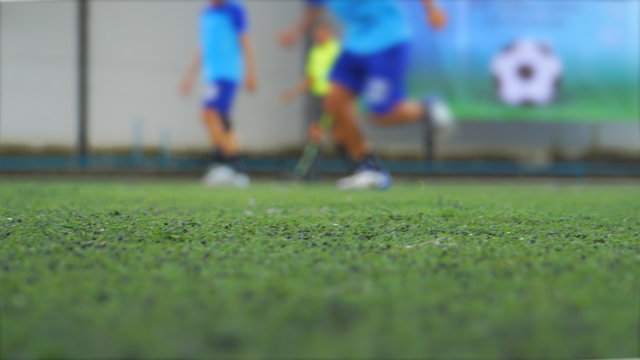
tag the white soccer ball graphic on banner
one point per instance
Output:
(527, 72)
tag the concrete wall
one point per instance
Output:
(139, 52)
(37, 73)
(534, 142)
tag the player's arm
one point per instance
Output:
(250, 62)
(302, 87)
(241, 24)
(192, 72)
(435, 16)
(314, 10)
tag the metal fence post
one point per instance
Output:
(83, 75)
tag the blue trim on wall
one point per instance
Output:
(270, 165)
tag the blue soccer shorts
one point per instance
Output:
(378, 78)
(219, 96)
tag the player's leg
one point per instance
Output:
(305, 168)
(327, 125)
(341, 106)
(385, 91)
(387, 98)
(215, 117)
(321, 123)
(430, 109)
(233, 157)
(406, 112)
(315, 115)
(227, 167)
(315, 133)
(217, 134)
(219, 173)
(348, 79)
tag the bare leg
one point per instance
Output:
(232, 144)
(315, 133)
(406, 112)
(340, 105)
(218, 135)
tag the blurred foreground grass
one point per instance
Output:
(175, 270)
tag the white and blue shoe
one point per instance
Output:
(366, 179)
(221, 175)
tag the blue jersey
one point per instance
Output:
(220, 29)
(371, 26)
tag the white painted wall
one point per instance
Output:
(140, 51)
(37, 73)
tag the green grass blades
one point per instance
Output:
(170, 269)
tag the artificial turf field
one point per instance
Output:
(170, 269)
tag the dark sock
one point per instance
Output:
(226, 122)
(237, 163)
(217, 156)
(350, 165)
(371, 162)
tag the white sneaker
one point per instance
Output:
(439, 114)
(442, 116)
(241, 180)
(366, 179)
(224, 175)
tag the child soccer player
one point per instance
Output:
(320, 61)
(373, 66)
(226, 59)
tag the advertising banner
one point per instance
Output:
(531, 60)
